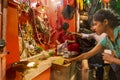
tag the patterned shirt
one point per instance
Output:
(114, 46)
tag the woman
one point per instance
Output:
(105, 21)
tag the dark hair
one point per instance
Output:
(113, 18)
(65, 26)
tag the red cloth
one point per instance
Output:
(73, 47)
(62, 37)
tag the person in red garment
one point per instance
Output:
(64, 36)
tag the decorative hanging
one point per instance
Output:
(68, 11)
(115, 5)
(106, 4)
(106, 1)
(87, 2)
(34, 28)
(80, 3)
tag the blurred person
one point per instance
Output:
(66, 37)
(96, 60)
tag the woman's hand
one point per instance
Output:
(76, 34)
(67, 61)
(108, 57)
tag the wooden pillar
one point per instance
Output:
(2, 65)
(3, 12)
(4, 19)
(0, 18)
(0, 70)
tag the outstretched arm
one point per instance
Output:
(84, 35)
(86, 55)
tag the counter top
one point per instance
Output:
(43, 65)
